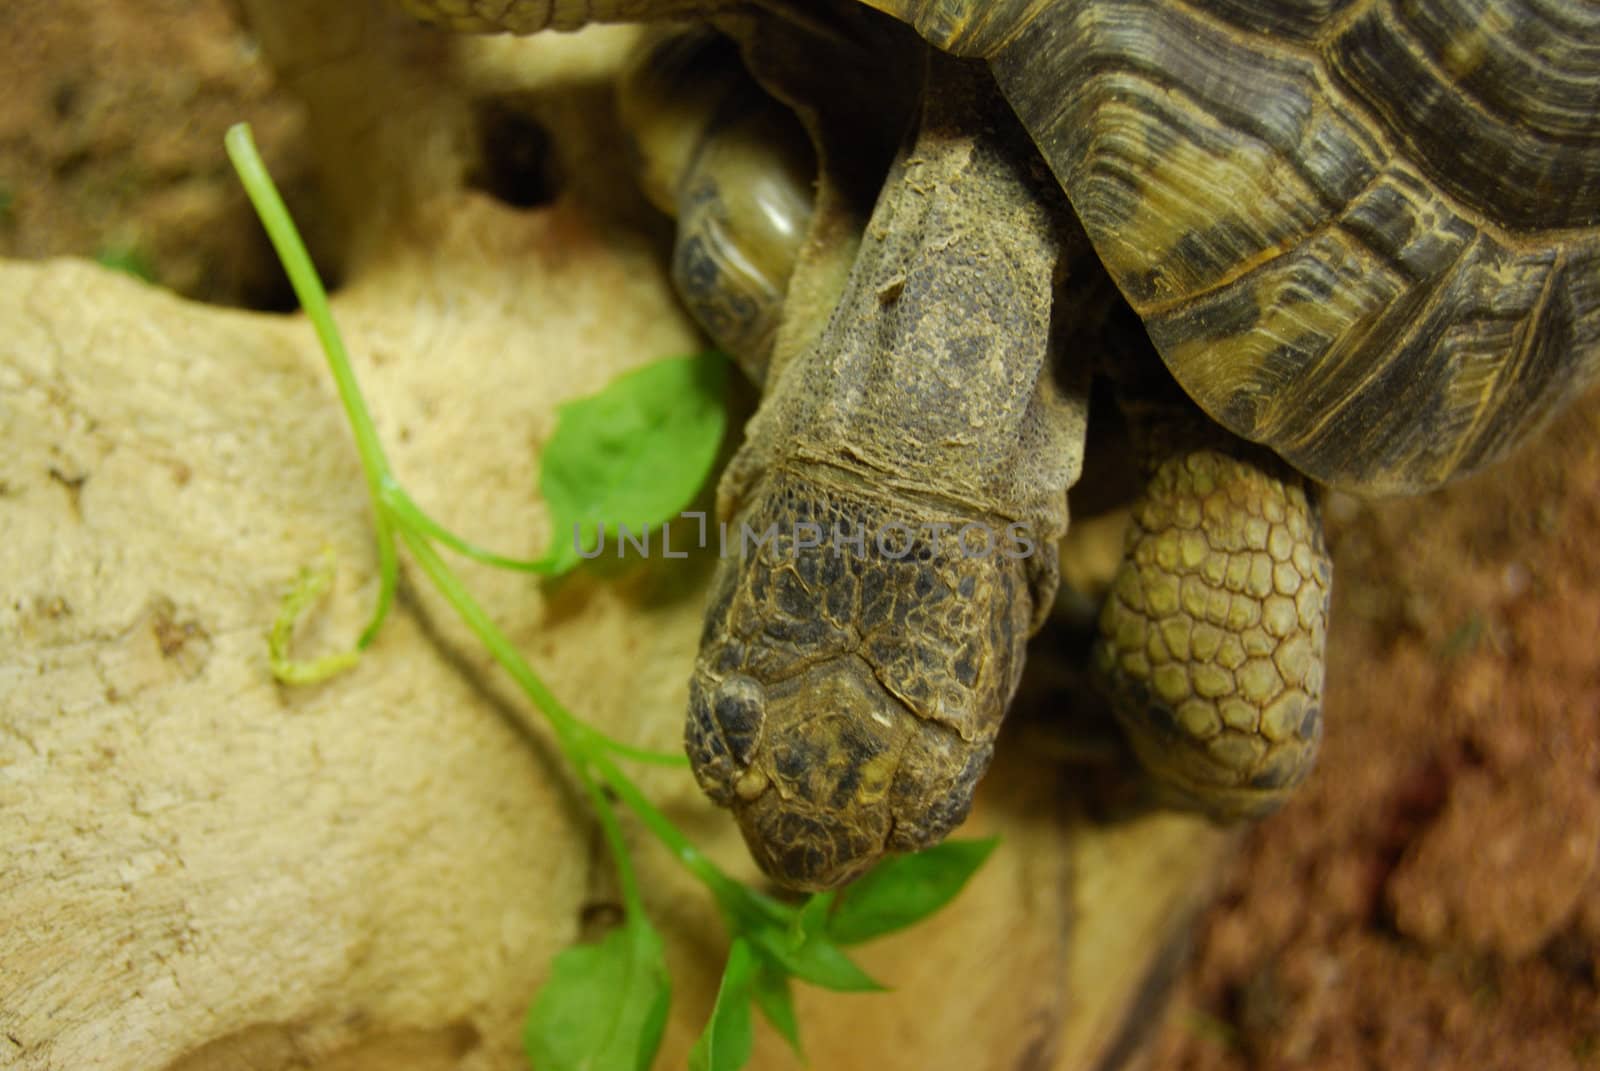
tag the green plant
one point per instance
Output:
(604, 1006)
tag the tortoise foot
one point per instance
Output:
(1211, 641)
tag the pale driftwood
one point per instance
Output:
(200, 869)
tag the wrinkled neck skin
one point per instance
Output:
(909, 472)
(931, 379)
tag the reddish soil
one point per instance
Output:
(1432, 899)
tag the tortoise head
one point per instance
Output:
(848, 690)
(829, 771)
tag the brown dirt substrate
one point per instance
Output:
(1432, 898)
(111, 124)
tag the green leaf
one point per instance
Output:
(729, 1035)
(812, 918)
(792, 940)
(634, 454)
(776, 1000)
(902, 890)
(604, 1006)
(748, 909)
(812, 957)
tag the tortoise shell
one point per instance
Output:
(1365, 235)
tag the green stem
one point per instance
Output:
(258, 186)
(396, 517)
(644, 756)
(627, 880)
(584, 746)
(412, 517)
(394, 512)
(659, 824)
(571, 734)
(571, 731)
(405, 508)
(738, 902)
(576, 738)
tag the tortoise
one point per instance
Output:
(1363, 238)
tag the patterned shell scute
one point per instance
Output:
(965, 27)
(1290, 20)
(1495, 99)
(1366, 235)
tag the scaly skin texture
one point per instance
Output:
(1212, 638)
(736, 169)
(846, 697)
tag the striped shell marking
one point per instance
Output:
(1366, 234)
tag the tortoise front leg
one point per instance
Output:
(1211, 641)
